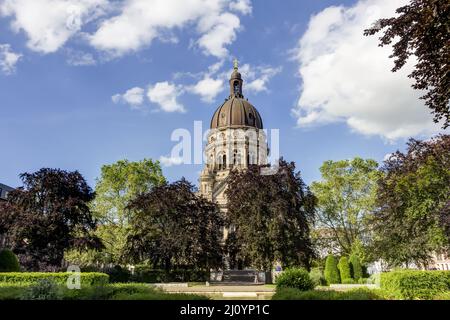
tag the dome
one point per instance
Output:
(236, 111)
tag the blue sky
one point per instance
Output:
(66, 67)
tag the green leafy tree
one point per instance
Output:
(47, 216)
(421, 29)
(172, 227)
(413, 216)
(331, 270)
(355, 267)
(269, 217)
(346, 197)
(118, 185)
(344, 269)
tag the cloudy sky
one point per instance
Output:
(88, 82)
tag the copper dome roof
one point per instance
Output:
(236, 111)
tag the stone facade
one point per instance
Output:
(236, 140)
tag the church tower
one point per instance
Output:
(235, 141)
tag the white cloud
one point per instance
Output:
(48, 24)
(218, 31)
(80, 58)
(142, 21)
(347, 77)
(8, 59)
(134, 97)
(165, 94)
(208, 88)
(262, 78)
(242, 6)
(171, 161)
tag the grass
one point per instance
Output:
(116, 291)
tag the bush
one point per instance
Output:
(44, 289)
(344, 270)
(331, 270)
(317, 277)
(355, 267)
(415, 284)
(442, 296)
(348, 281)
(86, 278)
(295, 278)
(295, 294)
(8, 261)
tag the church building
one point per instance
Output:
(235, 141)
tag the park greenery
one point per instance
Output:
(137, 227)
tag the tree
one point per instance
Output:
(355, 267)
(118, 185)
(48, 215)
(346, 197)
(269, 218)
(171, 227)
(412, 219)
(331, 270)
(422, 30)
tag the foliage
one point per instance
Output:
(346, 197)
(44, 289)
(295, 294)
(442, 296)
(118, 185)
(143, 273)
(8, 261)
(116, 291)
(421, 30)
(355, 267)
(331, 270)
(270, 217)
(415, 284)
(88, 278)
(317, 277)
(413, 219)
(295, 278)
(47, 216)
(344, 270)
(172, 227)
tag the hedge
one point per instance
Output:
(344, 270)
(415, 284)
(88, 278)
(356, 268)
(331, 270)
(148, 275)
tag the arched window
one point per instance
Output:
(236, 88)
(224, 161)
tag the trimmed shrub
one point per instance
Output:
(317, 277)
(344, 270)
(87, 279)
(8, 261)
(348, 281)
(415, 284)
(355, 267)
(331, 270)
(295, 278)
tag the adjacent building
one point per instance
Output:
(4, 189)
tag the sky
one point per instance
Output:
(84, 83)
